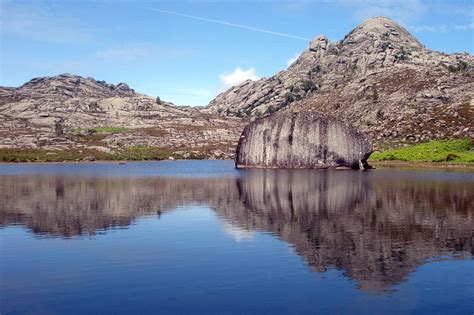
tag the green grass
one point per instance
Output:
(457, 151)
(42, 155)
(133, 153)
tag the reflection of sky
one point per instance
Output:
(182, 168)
(195, 258)
(185, 262)
(199, 168)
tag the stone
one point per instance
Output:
(301, 140)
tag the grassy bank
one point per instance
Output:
(454, 151)
(136, 153)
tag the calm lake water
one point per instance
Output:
(201, 237)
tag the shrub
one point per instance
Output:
(289, 97)
(308, 85)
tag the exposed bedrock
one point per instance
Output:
(301, 140)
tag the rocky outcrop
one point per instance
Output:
(65, 111)
(379, 78)
(301, 140)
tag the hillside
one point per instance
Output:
(69, 112)
(379, 78)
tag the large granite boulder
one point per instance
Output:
(301, 140)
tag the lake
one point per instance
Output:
(202, 237)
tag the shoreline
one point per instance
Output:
(422, 165)
(374, 164)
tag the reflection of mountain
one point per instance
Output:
(68, 206)
(375, 228)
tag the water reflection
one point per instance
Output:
(377, 227)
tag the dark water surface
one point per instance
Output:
(201, 237)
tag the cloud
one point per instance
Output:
(402, 11)
(227, 23)
(128, 52)
(140, 51)
(187, 95)
(238, 76)
(443, 28)
(39, 23)
(292, 59)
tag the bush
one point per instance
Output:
(308, 86)
(289, 97)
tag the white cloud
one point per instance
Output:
(238, 76)
(442, 28)
(191, 96)
(292, 59)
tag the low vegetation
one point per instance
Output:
(42, 155)
(457, 151)
(131, 153)
(136, 153)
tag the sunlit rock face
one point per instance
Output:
(379, 78)
(301, 140)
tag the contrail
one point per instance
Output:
(230, 24)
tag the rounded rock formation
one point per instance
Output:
(301, 140)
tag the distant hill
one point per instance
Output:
(379, 78)
(71, 112)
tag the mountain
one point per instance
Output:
(68, 111)
(379, 78)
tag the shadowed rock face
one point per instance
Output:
(376, 227)
(301, 140)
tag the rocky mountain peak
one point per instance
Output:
(382, 31)
(70, 85)
(377, 75)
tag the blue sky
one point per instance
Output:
(187, 60)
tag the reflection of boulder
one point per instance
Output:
(374, 227)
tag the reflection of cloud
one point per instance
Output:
(238, 234)
(238, 76)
